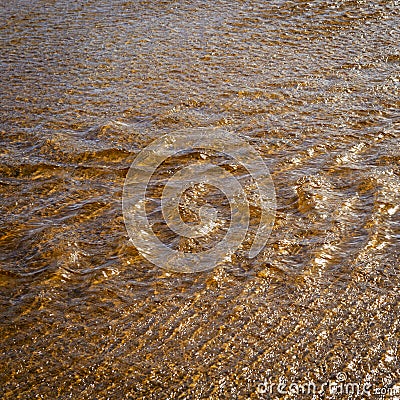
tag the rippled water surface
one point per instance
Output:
(85, 85)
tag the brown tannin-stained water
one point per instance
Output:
(313, 85)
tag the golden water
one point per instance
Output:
(312, 85)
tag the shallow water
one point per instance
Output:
(312, 85)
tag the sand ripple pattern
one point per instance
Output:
(312, 86)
